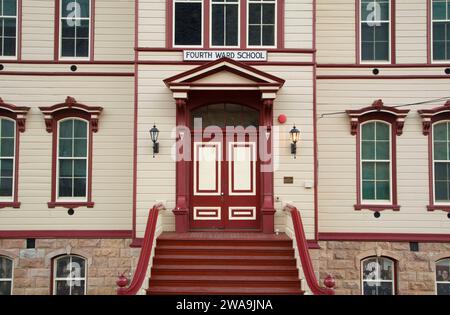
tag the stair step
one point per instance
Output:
(225, 242)
(186, 290)
(224, 250)
(228, 259)
(225, 270)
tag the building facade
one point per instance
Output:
(365, 82)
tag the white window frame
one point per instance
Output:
(393, 281)
(12, 273)
(239, 23)
(17, 33)
(11, 199)
(202, 25)
(60, 34)
(275, 40)
(55, 267)
(361, 160)
(439, 203)
(432, 35)
(73, 199)
(435, 275)
(389, 61)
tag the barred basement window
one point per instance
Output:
(375, 24)
(188, 22)
(442, 277)
(378, 276)
(8, 28)
(376, 162)
(6, 275)
(441, 162)
(441, 30)
(261, 23)
(225, 23)
(7, 159)
(72, 159)
(69, 275)
(75, 24)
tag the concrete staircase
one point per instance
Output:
(220, 263)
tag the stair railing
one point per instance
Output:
(305, 258)
(144, 257)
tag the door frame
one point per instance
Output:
(200, 98)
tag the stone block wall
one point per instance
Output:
(415, 270)
(106, 258)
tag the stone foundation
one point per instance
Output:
(415, 270)
(106, 258)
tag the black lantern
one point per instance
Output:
(154, 133)
(294, 134)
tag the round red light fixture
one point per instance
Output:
(282, 118)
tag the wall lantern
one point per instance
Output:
(154, 133)
(295, 137)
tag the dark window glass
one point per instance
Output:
(441, 30)
(7, 156)
(222, 115)
(442, 277)
(441, 157)
(8, 28)
(375, 29)
(6, 273)
(75, 28)
(261, 23)
(188, 23)
(224, 21)
(70, 275)
(378, 276)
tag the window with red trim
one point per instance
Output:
(12, 123)
(72, 125)
(436, 125)
(376, 128)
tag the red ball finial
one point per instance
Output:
(329, 282)
(282, 118)
(122, 281)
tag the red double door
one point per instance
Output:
(225, 183)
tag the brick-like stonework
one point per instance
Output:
(106, 259)
(415, 270)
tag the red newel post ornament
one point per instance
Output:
(122, 281)
(329, 282)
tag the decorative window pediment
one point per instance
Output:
(91, 113)
(378, 107)
(430, 115)
(18, 113)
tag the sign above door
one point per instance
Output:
(239, 55)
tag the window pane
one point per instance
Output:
(82, 49)
(368, 190)
(368, 51)
(7, 130)
(79, 263)
(440, 132)
(439, 31)
(66, 129)
(5, 267)
(370, 288)
(80, 147)
(83, 29)
(9, 27)
(440, 190)
(5, 287)
(218, 32)
(65, 168)
(62, 267)
(188, 23)
(79, 187)
(254, 35)
(268, 14)
(65, 187)
(84, 5)
(384, 10)
(9, 48)
(443, 289)
(386, 269)
(383, 192)
(368, 131)
(10, 7)
(62, 287)
(383, 171)
(7, 147)
(6, 166)
(440, 150)
(268, 35)
(254, 13)
(385, 288)
(68, 48)
(368, 150)
(6, 187)
(67, 31)
(65, 147)
(443, 270)
(80, 168)
(382, 51)
(78, 287)
(438, 50)
(382, 32)
(370, 269)
(232, 25)
(441, 171)
(382, 131)
(68, 6)
(439, 10)
(368, 170)
(382, 150)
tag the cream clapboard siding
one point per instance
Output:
(114, 30)
(156, 176)
(337, 157)
(298, 23)
(336, 34)
(112, 153)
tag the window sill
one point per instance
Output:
(70, 205)
(15, 205)
(445, 208)
(359, 207)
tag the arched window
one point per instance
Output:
(69, 275)
(6, 275)
(443, 277)
(378, 276)
(441, 162)
(7, 158)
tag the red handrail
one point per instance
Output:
(305, 258)
(144, 257)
